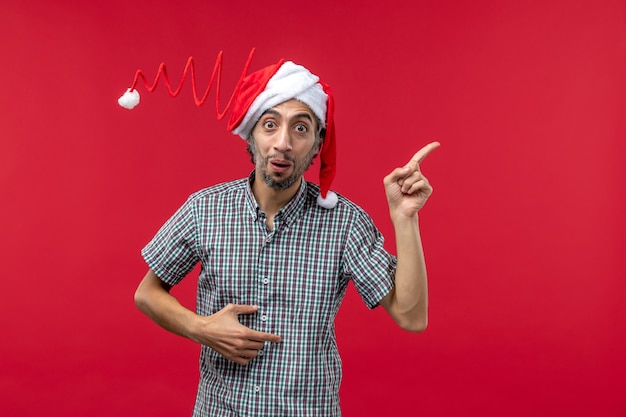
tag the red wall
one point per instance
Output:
(524, 235)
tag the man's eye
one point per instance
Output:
(269, 124)
(301, 128)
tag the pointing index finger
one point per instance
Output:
(423, 153)
(265, 337)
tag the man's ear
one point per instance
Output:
(320, 144)
(250, 148)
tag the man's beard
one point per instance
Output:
(280, 184)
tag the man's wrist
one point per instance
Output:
(400, 219)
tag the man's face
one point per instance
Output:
(283, 144)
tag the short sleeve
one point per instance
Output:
(172, 253)
(371, 268)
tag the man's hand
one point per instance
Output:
(407, 188)
(224, 333)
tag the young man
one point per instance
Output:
(277, 253)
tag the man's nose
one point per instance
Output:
(283, 140)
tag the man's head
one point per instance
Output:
(284, 142)
(270, 92)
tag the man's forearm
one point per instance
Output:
(408, 303)
(154, 300)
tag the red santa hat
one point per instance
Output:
(262, 90)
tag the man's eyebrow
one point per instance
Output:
(272, 112)
(304, 115)
(275, 113)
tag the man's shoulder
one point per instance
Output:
(221, 190)
(344, 204)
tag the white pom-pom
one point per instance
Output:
(129, 100)
(329, 202)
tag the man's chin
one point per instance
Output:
(278, 182)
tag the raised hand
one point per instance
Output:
(407, 188)
(224, 333)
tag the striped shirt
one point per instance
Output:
(297, 273)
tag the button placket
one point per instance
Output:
(263, 288)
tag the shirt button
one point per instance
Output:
(257, 388)
(266, 281)
(264, 318)
(260, 353)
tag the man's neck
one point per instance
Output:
(271, 200)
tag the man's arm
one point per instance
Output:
(407, 191)
(221, 331)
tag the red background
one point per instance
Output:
(524, 235)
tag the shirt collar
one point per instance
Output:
(294, 207)
(286, 214)
(253, 206)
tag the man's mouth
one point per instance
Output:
(280, 165)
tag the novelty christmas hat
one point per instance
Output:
(258, 92)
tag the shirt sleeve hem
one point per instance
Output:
(161, 272)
